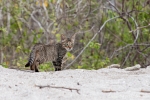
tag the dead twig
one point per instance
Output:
(58, 87)
(108, 91)
(145, 91)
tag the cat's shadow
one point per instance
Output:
(28, 70)
(22, 69)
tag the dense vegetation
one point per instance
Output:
(123, 39)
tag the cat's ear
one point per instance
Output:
(63, 37)
(73, 37)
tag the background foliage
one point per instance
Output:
(124, 40)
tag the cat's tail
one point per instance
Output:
(28, 64)
(31, 59)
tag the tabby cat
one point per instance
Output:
(42, 53)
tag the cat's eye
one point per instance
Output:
(65, 45)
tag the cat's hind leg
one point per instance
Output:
(32, 66)
(36, 66)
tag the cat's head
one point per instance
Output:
(67, 43)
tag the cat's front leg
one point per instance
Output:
(57, 68)
(57, 65)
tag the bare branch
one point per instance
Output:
(115, 7)
(8, 16)
(125, 19)
(91, 40)
(129, 45)
(137, 35)
(37, 21)
(138, 28)
(32, 16)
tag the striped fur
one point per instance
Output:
(42, 53)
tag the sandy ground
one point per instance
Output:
(103, 84)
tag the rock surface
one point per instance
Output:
(133, 68)
(79, 84)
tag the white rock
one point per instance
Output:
(114, 66)
(148, 67)
(133, 68)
